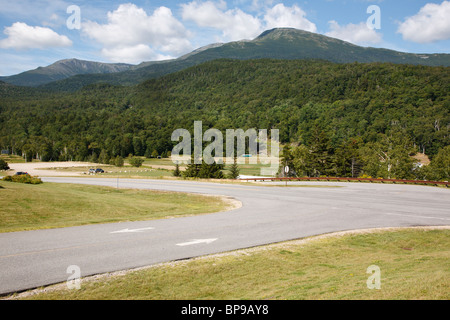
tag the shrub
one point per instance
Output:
(25, 178)
(177, 172)
(136, 162)
(3, 165)
(118, 161)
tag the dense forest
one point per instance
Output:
(335, 119)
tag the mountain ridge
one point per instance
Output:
(63, 69)
(277, 43)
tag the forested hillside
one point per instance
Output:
(339, 119)
(278, 43)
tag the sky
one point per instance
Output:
(37, 33)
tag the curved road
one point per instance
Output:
(269, 214)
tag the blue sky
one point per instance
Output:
(39, 32)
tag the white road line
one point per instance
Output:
(196, 241)
(132, 230)
(414, 216)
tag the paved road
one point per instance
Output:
(269, 214)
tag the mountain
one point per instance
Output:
(279, 43)
(63, 69)
(373, 107)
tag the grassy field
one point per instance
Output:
(12, 158)
(28, 207)
(247, 168)
(414, 264)
(112, 171)
(154, 168)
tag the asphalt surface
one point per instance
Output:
(268, 214)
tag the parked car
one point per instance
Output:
(94, 171)
(20, 173)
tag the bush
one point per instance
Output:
(118, 162)
(3, 165)
(25, 178)
(136, 162)
(177, 172)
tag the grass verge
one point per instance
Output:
(414, 264)
(49, 205)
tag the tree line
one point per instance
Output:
(340, 119)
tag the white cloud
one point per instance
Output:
(133, 36)
(431, 24)
(22, 36)
(259, 4)
(132, 54)
(236, 24)
(293, 17)
(359, 34)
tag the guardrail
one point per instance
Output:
(426, 182)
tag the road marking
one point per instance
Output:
(414, 216)
(219, 185)
(132, 230)
(196, 241)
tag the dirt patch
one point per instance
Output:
(42, 168)
(422, 158)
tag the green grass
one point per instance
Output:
(130, 172)
(414, 264)
(12, 158)
(28, 207)
(253, 169)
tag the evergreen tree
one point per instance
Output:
(211, 171)
(302, 161)
(321, 159)
(204, 170)
(439, 168)
(192, 169)
(177, 172)
(347, 159)
(103, 157)
(287, 159)
(234, 170)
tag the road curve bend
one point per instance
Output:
(268, 214)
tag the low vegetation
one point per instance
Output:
(413, 263)
(28, 207)
(25, 178)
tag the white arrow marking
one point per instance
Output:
(196, 241)
(132, 230)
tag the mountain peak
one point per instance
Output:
(278, 43)
(282, 32)
(63, 69)
(300, 36)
